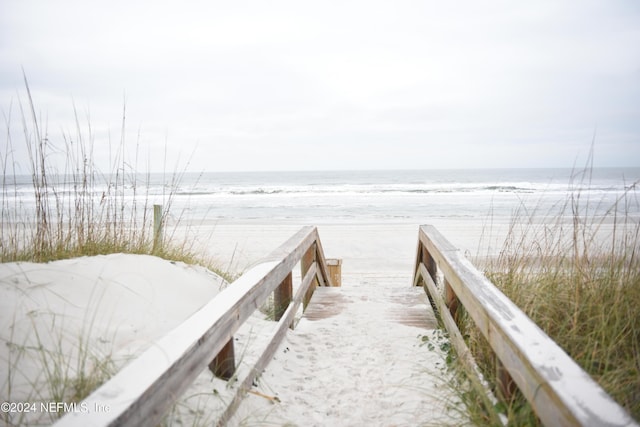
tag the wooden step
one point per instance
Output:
(407, 306)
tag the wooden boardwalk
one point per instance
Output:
(367, 353)
(357, 356)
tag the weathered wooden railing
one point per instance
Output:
(560, 392)
(144, 390)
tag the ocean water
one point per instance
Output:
(415, 196)
(405, 196)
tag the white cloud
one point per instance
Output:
(386, 84)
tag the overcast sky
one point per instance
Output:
(272, 85)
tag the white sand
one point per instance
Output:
(358, 366)
(121, 303)
(367, 247)
(56, 316)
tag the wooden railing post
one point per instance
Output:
(282, 297)
(224, 364)
(335, 271)
(506, 385)
(305, 263)
(452, 301)
(430, 264)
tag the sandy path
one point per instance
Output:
(358, 366)
(355, 360)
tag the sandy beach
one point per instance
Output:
(110, 308)
(363, 247)
(91, 315)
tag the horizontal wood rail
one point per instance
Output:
(144, 390)
(560, 392)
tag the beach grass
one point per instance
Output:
(76, 209)
(577, 276)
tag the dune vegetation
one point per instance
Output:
(577, 276)
(57, 204)
(76, 209)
